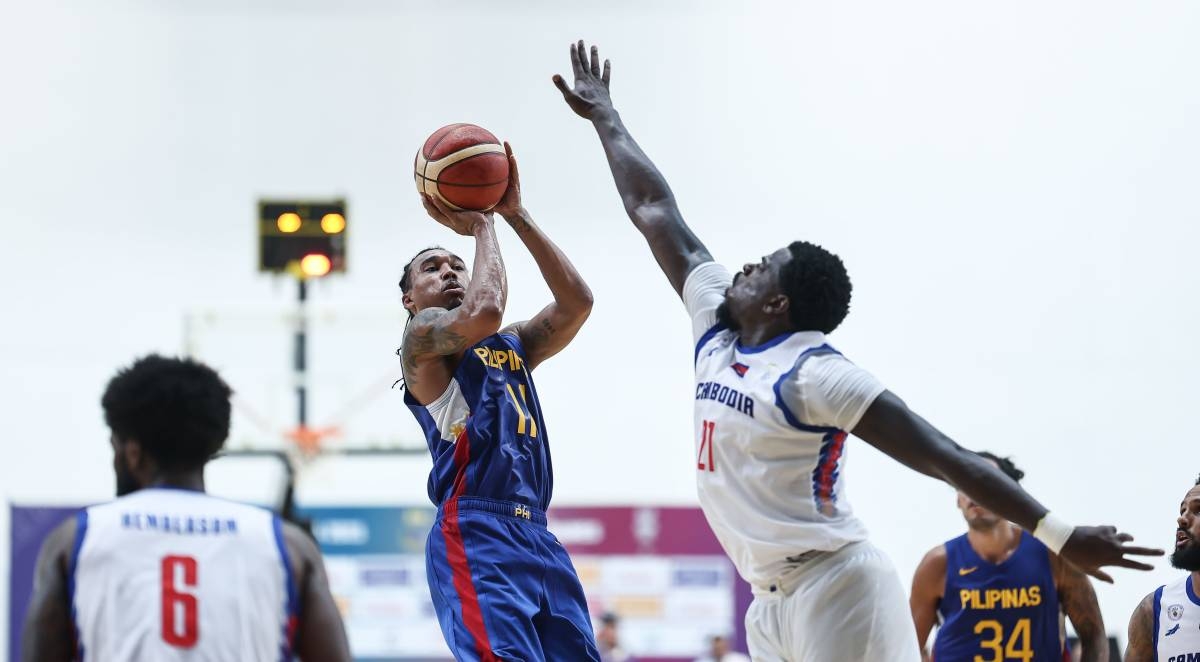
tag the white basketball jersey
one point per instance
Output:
(1177, 622)
(169, 574)
(771, 430)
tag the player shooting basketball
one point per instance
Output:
(503, 586)
(774, 405)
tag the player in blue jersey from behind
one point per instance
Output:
(997, 593)
(1165, 627)
(503, 586)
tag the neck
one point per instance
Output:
(996, 543)
(183, 480)
(757, 334)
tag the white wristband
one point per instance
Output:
(1053, 532)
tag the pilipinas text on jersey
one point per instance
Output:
(1177, 622)
(1005, 611)
(485, 432)
(169, 574)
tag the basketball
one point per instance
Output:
(464, 166)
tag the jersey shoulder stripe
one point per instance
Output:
(788, 414)
(704, 339)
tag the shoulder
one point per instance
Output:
(1143, 614)
(934, 563)
(60, 544)
(424, 320)
(300, 546)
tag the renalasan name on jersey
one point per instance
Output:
(202, 526)
(726, 396)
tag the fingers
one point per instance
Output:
(607, 71)
(595, 61)
(1134, 565)
(433, 211)
(1141, 551)
(576, 65)
(442, 207)
(514, 178)
(562, 86)
(581, 51)
(1101, 575)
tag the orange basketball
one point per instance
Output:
(464, 165)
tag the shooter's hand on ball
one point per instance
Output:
(510, 205)
(464, 222)
(590, 94)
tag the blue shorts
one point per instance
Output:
(504, 587)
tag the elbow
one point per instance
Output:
(488, 316)
(584, 301)
(648, 211)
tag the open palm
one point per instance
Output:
(590, 92)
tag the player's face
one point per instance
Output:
(1187, 534)
(977, 516)
(439, 280)
(754, 289)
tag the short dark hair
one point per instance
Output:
(177, 409)
(405, 276)
(817, 286)
(1006, 465)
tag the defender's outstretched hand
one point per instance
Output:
(590, 93)
(1092, 547)
(510, 205)
(461, 221)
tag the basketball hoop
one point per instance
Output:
(309, 440)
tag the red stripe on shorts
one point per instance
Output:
(456, 554)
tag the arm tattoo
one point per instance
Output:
(438, 339)
(1078, 600)
(1140, 647)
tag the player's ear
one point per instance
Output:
(777, 305)
(135, 457)
(407, 302)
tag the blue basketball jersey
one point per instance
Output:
(486, 432)
(998, 612)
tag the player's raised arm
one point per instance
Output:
(1140, 647)
(548, 332)
(320, 634)
(48, 636)
(647, 197)
(1078, 600)
(893, 428)
(435, 332)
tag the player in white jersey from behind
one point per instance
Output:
(774, 404)
(1165, 627)
(165, 572)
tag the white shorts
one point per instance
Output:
(845, 606)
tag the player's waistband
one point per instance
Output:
(804, 564)
(518, 511)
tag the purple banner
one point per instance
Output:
(29, 527)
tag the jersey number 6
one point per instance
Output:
(177, 572)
